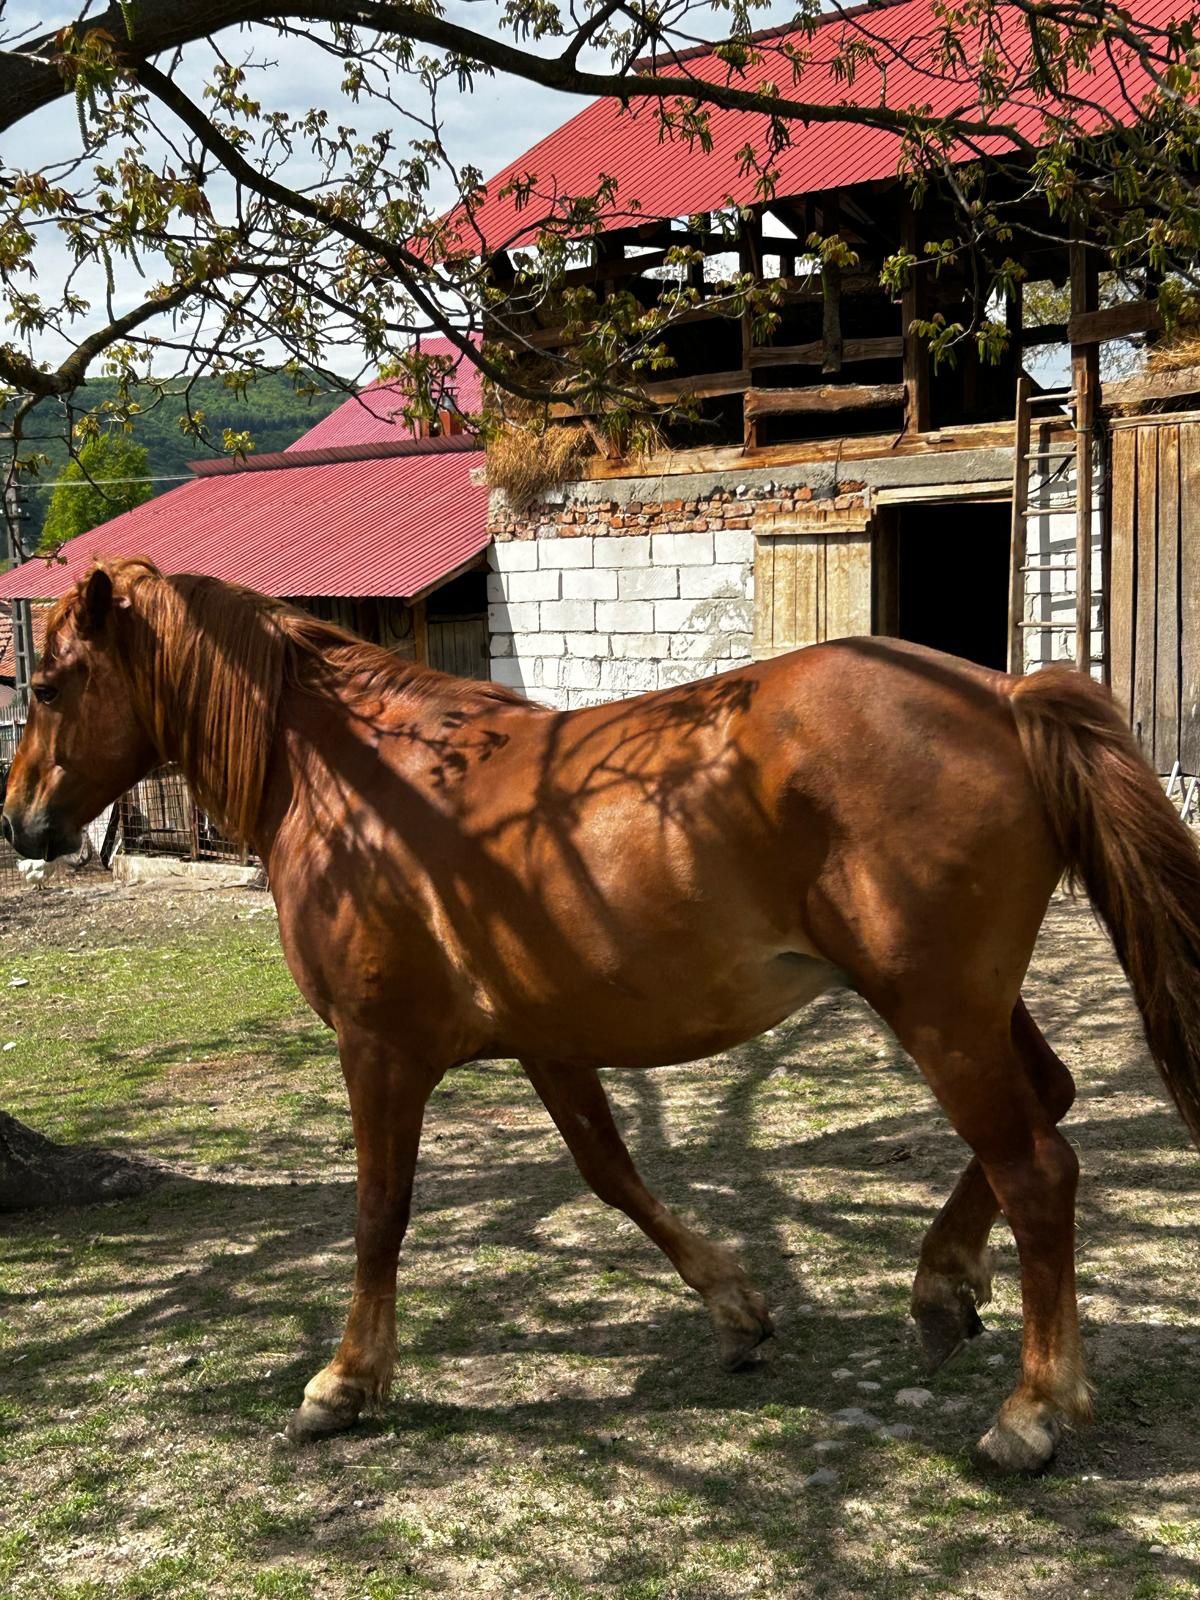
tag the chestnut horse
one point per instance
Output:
(462, 874)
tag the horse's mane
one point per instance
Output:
(207, 663)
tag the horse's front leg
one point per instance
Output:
(388, 1094)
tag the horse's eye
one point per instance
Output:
(43, 693)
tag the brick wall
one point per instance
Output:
(592, 601)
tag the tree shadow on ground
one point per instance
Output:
(204, 1269)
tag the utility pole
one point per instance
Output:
(16, 516)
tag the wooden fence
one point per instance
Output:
(1155, 584)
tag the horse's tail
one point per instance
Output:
(1121, 836)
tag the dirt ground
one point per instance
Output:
(559, 1425)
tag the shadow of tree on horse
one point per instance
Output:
(461, 875)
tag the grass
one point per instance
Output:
(559, 1427)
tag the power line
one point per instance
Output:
(98, 483)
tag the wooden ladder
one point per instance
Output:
(1023, 512)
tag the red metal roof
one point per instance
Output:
(673, 179)
(382, 526)
(375, 414)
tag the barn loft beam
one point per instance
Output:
(887, 347)
(823, 397)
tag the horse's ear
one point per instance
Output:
(95, 603)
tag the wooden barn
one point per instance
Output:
(829, 480)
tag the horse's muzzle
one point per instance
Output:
(38, 835)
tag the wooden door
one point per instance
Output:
(812, 581)
(1154, 600)
(459, 645)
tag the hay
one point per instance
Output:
(1173, 354)
(526, 461)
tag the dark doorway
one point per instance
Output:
(952, 579)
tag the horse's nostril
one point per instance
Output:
(6, 827)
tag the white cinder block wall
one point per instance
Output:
(578, 620)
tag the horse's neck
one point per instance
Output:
(327, 741)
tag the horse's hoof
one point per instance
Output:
(313, 1419)
(1022, 1441)
(945, 1329)
(741, 1329)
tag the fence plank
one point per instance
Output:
(1166, 675)
(1189, 595)
(764, 597)
(1147, 589)
(1123, 565)
(847, 585)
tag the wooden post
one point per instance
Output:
(1085, 380)
(912, 308)
(420, 634)
(831, 288)
(695, 271)
(1014, 316)
(749, 260)
(1019, 542)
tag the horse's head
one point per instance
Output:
(84, 744)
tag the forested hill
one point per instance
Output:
(272, 412)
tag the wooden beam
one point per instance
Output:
(913, 309)
(1114, 322)
(750, 261)
(704, 386)
(813, 452)
(1014, 316)
(831, 288)
(1048, 333)
(601, 271)
(823, 397)
(800, 291)
(885, 348)
(1085, 380)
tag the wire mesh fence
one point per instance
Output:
(12, 726)
(157, 817)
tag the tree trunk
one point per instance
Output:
(34, 1171)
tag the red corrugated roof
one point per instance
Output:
(676, 180)
(375, 415)
(390, 526)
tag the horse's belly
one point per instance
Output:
(676, 1018)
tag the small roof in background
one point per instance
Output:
(375, 413)
(670, 178)
(354, 507)
(391, 525)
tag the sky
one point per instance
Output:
(488, 127)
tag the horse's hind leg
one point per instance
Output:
(975, 1068)
(576, 1100)
(954, 1274)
